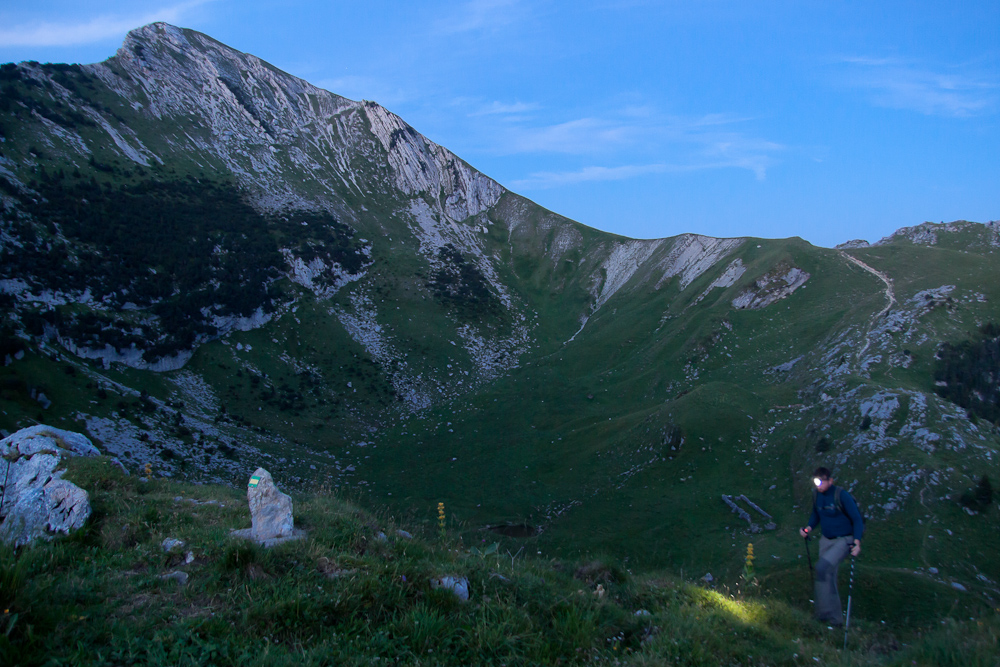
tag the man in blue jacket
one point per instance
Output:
(842, 527)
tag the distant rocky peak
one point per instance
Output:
(269, 126)
(190, 64)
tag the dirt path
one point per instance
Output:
(890, 294)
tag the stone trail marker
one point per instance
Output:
(270, 512)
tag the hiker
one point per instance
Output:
(842, 527)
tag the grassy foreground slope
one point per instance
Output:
(344, 596)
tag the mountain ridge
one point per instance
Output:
(321, 287)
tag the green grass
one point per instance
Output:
(342, 596)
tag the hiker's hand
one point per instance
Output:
(804, 532)
(857, 548)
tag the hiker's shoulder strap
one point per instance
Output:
(839, 502)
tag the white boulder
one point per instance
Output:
(37, 503)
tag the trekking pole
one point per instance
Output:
(850, 586)
(812, 576)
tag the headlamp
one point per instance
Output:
(817, 481)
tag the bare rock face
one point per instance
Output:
(270, 509)
(772, 286)
(37, 503)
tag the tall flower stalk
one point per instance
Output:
(748, 573)
(441, 519)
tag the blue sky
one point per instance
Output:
(825, 120)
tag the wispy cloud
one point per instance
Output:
(727, 158)
(691, 144)
(92, 30)
(900, 84)
(544, 180)
(735, 150)
(583, 135)
(628, 127)
(479, 15)
(505, 109)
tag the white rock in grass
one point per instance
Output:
(457, 585)
(172, 543)
(37, 502)
(177, 575)
(270, 509)
(46, 440)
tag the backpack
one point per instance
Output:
(839, 504)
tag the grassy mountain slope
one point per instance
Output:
(209, 265)
(110, 594)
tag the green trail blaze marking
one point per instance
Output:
(254, 481)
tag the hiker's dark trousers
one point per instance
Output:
(831, 553)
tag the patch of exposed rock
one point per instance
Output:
(420, 165)
(37, 503)
(771, 287)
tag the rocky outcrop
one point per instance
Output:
(420, 166)
(733, 273)
(37, 502)
(771, 287)
(692, 254)
(930, 233)
(622, 263)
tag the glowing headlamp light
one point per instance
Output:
(817, 481)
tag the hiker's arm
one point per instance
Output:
(813, 518)
(851, 510)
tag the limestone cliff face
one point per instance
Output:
(264, 126)
(421, 166)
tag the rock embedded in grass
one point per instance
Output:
(457, 585)
(177, 575)
(270, 509)
(171, 544)
(270, 512)
(37, 503)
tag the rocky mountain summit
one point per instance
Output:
(207, 264)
